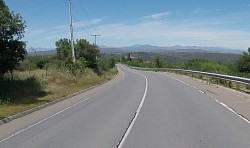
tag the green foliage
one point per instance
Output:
(77, 68)
(34, 62)
(17, 91)
(83, 50)
(129, 57)
(41, 64)
(207, 66)
(24, 65)
(12, 50)
(63, 49)
(195, 64)
(177, 57)
(107, 64)
(123, 59)
(243, 64)
(87, 51)
(111, 63)
(158, 62)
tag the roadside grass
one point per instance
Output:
(225, 83)
(221, 82)
(34, 88)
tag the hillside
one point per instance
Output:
(185, 56)
(176, 48)
(171, 54)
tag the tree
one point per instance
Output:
(63, 49)
(243, 64)
(158, 62)
(87, 51)
(111, 62)
(12, 49)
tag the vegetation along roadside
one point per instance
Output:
(240, 68)
(30, 81)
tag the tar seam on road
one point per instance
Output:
(223, 104)
(125, 135)
(20, 131)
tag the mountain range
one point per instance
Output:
(176, 48)
(146, 48)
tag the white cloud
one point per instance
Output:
(80, 24)
(59, 27)
(33, 32)
(199, 10)
(154, 31)
(176, 34)
(158, 15)
(86, 23)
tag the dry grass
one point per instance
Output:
(56, 85)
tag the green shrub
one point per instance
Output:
(15, 91)
(24, 65)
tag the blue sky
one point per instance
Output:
(217, 23)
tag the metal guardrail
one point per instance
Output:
(215, 75)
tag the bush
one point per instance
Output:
(208, 66)
(243, 64)
(111, 63)
(15, 91)
(78, 67)
(158, 62)
(41, 64)
(24, 65)
(106, 64)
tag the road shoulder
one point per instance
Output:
(40, 113)
(235, 100)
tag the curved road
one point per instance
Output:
(142, 110)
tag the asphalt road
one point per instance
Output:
(143, 110)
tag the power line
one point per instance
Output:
(80, 18)
(85, 12)
(88, 25)
(76, 12)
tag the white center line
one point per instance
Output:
(137, 111)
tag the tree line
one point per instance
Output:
(239, 68)
(13, 54)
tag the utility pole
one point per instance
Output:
(71, 34)
(95, 35)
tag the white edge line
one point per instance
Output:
(201, 91)
(223, 104)
(229, 108)
(20, 131)
(122, 72)
(137, 111)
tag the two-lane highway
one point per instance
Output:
(97, 122)
(145, 109)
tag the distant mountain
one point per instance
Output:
(41, 51)
(208, 49)
(146, 48)
(185, 56)
(176, 48)
(112, 50)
